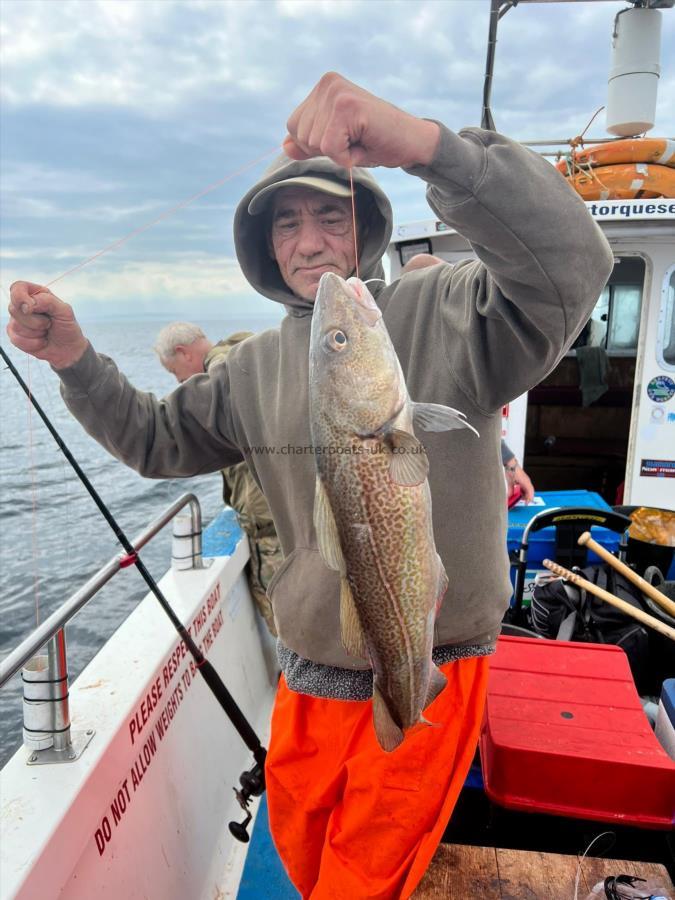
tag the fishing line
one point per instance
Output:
(164, 215)
(81, 265)
(207, 670)
(576, 880)
(33, 484)
(356, 248)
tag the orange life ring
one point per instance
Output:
(660, 151)
(624, 182)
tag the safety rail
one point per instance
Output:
(58, 619)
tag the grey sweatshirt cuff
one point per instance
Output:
(456, 172)
(80, 379)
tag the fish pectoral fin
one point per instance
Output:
(436, 417)
(408, 465)
(436, 684)
(326, 530)
(353, 638)
(389, 734)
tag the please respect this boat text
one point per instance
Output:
(153, 716)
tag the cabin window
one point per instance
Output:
(665, 350)
(615, 321)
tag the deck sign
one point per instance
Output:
(661, 389)
(152, 718)
(657, 468)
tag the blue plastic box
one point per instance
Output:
(542, 543)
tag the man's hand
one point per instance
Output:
(44, 326)
(516, 475)
(354, 128)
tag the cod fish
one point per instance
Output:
(372, 507)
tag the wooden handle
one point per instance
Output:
(638, 614)
(664, 602)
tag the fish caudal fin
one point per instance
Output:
(409, 465)
(436, 417)
(389, 734)
(436, 684)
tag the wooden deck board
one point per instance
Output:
(458, 872)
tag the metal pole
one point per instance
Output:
(58, 674)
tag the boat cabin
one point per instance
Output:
(604, 418)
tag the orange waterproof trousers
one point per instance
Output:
(351, 822)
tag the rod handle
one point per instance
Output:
(664, 602)
(629, 610)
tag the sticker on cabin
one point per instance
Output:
(657, 468)
(661, 389)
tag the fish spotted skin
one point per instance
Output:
(373, 507)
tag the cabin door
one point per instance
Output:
(579, 416)
(650, 470)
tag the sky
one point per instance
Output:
(113, 111)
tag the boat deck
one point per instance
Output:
(486, 873)
(460, 871)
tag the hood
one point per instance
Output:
(250, 239)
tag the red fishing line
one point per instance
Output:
(165, 215)
(356, 249)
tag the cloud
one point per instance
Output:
(116, 110)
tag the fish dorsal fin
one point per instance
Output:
(326, 530)
(436, 417)
(408, 465)
(389, 734)
(353, 639)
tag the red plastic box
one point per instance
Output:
(564, 733)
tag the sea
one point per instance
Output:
(52, 536)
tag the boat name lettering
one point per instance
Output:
(142, 714)
(636, 209)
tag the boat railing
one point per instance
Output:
(46, 714)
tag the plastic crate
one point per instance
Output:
(564, 733)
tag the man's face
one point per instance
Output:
(311, 234)
(187, 360)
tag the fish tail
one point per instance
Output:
(389, 734)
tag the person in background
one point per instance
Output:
(514, 473)
(350, 821)
(184, 350)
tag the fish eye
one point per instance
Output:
(336, 340)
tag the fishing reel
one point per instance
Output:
(252, 785)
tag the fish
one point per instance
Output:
(372, 505)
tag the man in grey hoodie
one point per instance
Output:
(349, 820)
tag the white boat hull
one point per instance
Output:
(144, 811)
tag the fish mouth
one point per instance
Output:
(366, 306)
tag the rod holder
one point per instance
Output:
(46, 712)
(186, 546)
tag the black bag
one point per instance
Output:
(567, 612)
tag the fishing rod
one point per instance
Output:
(253, 781)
